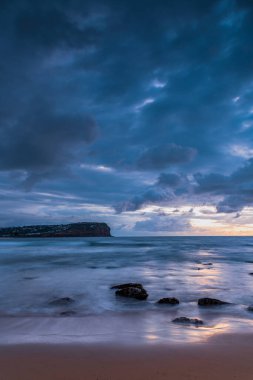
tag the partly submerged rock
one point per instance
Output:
(68, 313)
(131, 290)
(139, 294)
(207, 264)
(169, 301)
(29, 278)
(250, 308)
(127, 285)
(211, 302)
(61, 301)
(188, 321)
(251, 274)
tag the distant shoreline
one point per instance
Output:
(82, 229)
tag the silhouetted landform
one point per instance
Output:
(84, 229)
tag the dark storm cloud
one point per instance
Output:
(212, 183)
(153, 195)
(163, 156)
(179, 183)
(42, 27)
(230, 192)
(168, 84)
(236, 189)
(43, 139)
(169, 179)
(166, 189)
(40, 133)
(41, 142)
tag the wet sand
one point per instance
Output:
(225, 357)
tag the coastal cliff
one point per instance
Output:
(85, 229)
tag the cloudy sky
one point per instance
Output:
(137, 113)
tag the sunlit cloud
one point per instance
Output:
(156, 83)
(144, 103)
(98, 168)
(243, 151)
(246, 125)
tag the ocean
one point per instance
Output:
(36, 272)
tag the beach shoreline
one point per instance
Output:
(224, 357)
(96, 335)
(131, 328)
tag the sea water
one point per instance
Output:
(35, 272)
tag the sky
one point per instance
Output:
(134, 113)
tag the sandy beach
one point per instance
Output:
(221, 358)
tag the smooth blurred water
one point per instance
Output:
(34, 272)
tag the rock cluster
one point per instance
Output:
(137, 291)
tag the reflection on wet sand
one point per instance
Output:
(133, 328)
(194, 334)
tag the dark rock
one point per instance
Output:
(62, 301)
(131, 291)
(84, 229)
(251, 274)
(211, 302)
(188, 321)
(128, 285)
(169, 301)
(207, 264)
(68, 313)
(250, 308)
